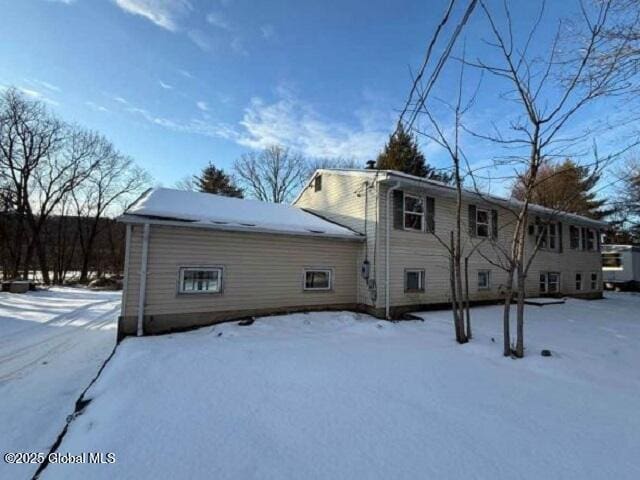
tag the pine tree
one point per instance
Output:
(565, 186)
(402, 153)
(215, 180)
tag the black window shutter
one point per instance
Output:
(398, 209)
(494, 224)
(559, 237)
(598, 239)
(472, 220)
(583, 233)
(431, 214)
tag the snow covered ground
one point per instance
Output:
(52, 343)
(344, 396)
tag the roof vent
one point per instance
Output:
(220, 223)
(248, 224)
(315, 231)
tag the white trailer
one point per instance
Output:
(621, 266)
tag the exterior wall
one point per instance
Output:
(420, 250)
(263, 273)
(350, 200)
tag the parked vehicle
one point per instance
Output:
(621, 267)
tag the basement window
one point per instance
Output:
(200, 280)
(594, 280)
(414, 281)
(317, 279)
(578, 282)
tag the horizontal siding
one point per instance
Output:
(349, 201)
(260, 270)
(412, 250)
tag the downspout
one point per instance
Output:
(125, 280)
(388, 251)
(143, 279)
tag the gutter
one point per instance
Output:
(393, 187)
(125, 280)
(143, 279)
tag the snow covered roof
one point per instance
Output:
(169, 206)
(381, 175)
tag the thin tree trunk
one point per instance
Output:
(506, 321)
(520, 316)
(466, 297)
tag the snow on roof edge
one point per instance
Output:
(388, 173)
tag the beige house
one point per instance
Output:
(366, 240)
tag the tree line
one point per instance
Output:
(59, 183)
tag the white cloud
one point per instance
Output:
(296, 124)
(185, 74)
(166, 86)
(95, 106)
(48, 86)
(268, 31)
(237, 45)
(36, 95)
(201, 39)
(218, 20)
(164, 13)
(202, 106)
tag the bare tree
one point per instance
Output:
(549, 91)
(314, 164)
(29, 138)
(273, 175)
(113, 179)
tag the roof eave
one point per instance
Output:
(141, 220)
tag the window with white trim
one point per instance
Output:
(414, 280)
(318, 279)
(413, 212)
(484, 279)
(578, 281)
(574, 237)
(594, 280)
(549, 282)
(482, 223)
(200, 280)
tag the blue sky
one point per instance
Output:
(179, 83)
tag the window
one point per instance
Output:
(574, 237)
(200, 280)
(549, 282)
(317, 279)
(578, 282)
(484, 280)
(414, 281)
(413, 213)
(591, 239)
(482, 223)
(317, 184)
(553, 236)
(612, 260)
(594, 280)
(548, 235)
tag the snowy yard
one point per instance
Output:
(52, 344)
(339, 395)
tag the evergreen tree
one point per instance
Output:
(401, 153)
(567, 187)
(215, 180)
